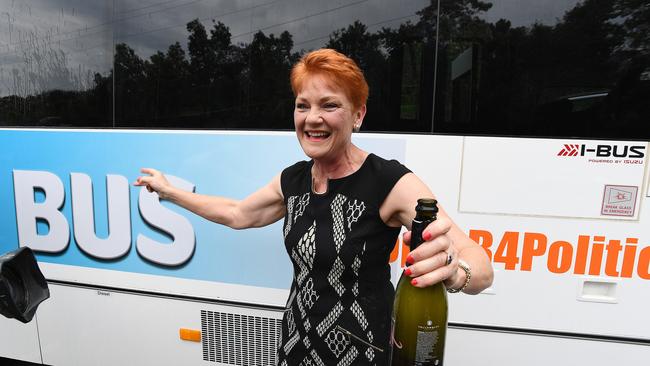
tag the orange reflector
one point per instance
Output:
(192, 335)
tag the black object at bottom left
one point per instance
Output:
(22, 285)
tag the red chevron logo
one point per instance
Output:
(569, 150)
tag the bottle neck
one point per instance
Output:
(417, 227)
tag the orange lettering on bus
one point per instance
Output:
(507, 251)
(644, 264)
(484, 239)
(557, 263)
(629, 255)
(581, 254)
(534, 246)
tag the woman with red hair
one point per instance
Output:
(343, 210)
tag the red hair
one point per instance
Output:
(341, 70)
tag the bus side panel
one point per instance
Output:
(563, 262)
(19, 341)
(108, 328)
(470, 347)
(88, 326)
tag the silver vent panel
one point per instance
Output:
(236, 339)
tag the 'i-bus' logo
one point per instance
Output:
(603, 151)
(569, 150)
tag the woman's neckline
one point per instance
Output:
(334, 180)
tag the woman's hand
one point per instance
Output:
(430, 262)
(155, 181)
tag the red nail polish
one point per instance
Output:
(407, 271)
(426, 236)
(409, 260)
(414, 282)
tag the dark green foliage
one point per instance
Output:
(519, 81)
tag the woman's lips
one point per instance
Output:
(317, 135)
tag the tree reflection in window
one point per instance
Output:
(447, 69)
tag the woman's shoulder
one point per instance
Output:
(390, 167)
(384, 174)
(295, 174)
(297, 168)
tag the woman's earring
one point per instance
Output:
(356, 128)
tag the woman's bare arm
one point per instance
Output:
(263, 207)
(444, 237)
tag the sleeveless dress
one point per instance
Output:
(339, 308)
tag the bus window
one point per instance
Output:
(567, 69)
(562, 68)
(55, 63)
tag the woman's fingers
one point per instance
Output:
(433, 230)
(140, 181)
(149, 171)
(437, 228)
(406, 238)
(438, 275)
(144, 180)
(428, 264)
(154, 181)
(435, 259)
(434, 269)
(428, 248)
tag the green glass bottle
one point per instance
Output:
(419, 314)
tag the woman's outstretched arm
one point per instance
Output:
(263, 207)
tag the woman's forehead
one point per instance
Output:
(321, 86)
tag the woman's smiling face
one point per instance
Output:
(324, 118)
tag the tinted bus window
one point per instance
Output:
(226, 64)
(55, 57)
(551, 68)
(562, 68)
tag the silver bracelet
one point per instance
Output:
(468, 276)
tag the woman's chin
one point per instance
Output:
(315, 152)
(313, 149)
(312, 153)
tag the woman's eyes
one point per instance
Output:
(330, 106)
(326, 106)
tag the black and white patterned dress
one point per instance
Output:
(339, 308)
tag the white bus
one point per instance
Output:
(528, 120)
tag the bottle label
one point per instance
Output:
(425, 349)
